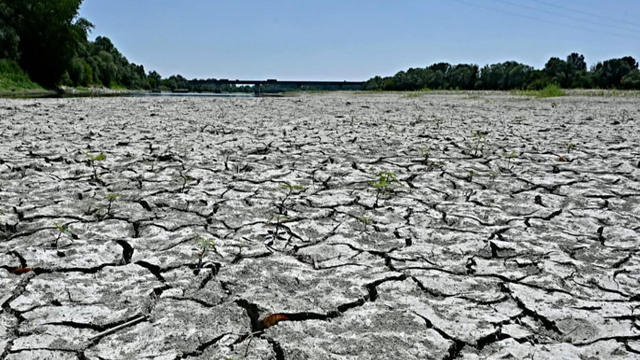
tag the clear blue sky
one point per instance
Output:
(356, 39)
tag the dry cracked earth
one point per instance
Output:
(330, 226)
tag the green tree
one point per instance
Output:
(556, 69)
(9, 39)
(577, 71)
(576, 63)
(47, 35)
(154, 80)
(504, 76)
(463, 76)
(631, 80)
(609, 74)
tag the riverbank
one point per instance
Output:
(25, 92)
(39, 92)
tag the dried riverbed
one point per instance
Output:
(373, 226)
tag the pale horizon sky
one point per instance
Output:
(358, 39)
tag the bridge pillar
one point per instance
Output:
(257, 89)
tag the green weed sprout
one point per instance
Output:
(383, 185)
(204, 245)
(478, 139)
(424, 154)
(439, 121)
(570, 146)
(288, 190)
(292, 188)
(279, 218)
(111, 198)
(93, 159)
(62, 230)
(99, 157)
(384, 181)
(493, 175)
(437, 163)
(185, 180)
(365, 221)
(509, 156)
(470, 175)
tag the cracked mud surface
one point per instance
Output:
(512, 229)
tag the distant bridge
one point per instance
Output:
(298, 83)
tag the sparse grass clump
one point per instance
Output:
(549, 91)
(418, 93)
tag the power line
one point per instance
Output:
(598, 16)
(538, 19)
(571, 17)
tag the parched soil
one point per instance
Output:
(331, 226)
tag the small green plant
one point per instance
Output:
(509, 156)
(352, 118)
(493, 175)
(205, 245)
(110, 199)
(364, 220)
(186, 179)
(570, 146)
(93, 159)
(384, 184)
(288, 191)
(99, 157)
(470, 175)
(438, 121)
(478, 142)
(424, 154)
(384, 181)
(62, 230)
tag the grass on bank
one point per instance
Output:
(13, 79)
(418, 93)
(547, 92)
(300, 92)
(604, 92)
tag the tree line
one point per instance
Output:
(571, 72)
